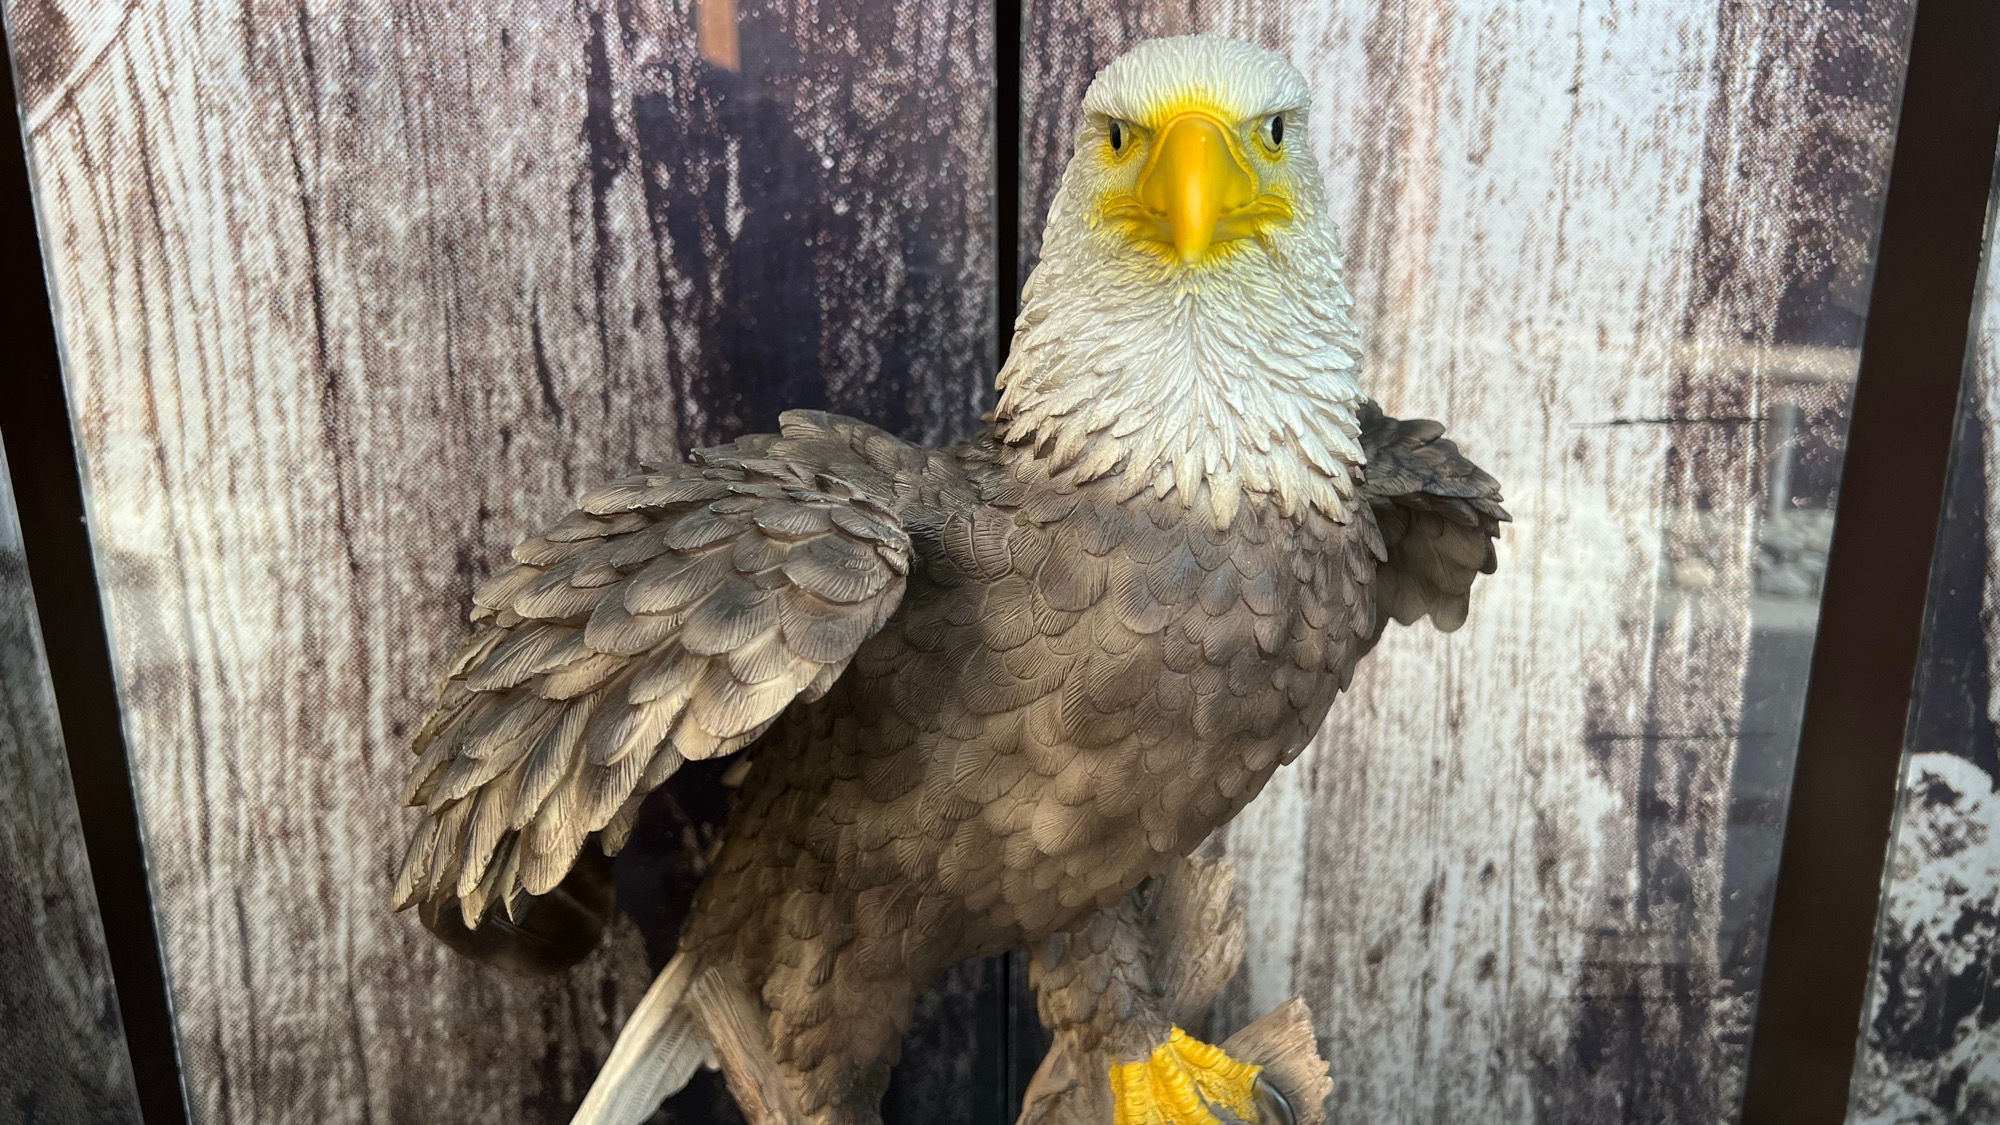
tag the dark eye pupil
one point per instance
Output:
(1117, 137)
(1278, 130)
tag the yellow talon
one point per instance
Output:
(1178, 1083)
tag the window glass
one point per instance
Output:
(64, 1052)
(353, 298)
(1622, 250)
(1931, 1045)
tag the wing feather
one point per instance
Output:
(673, 616)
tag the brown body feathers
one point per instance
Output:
(979, 698)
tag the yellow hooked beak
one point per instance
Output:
(1194, 180)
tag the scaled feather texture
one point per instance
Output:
(976, 695)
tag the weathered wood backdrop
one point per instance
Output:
(353, 297)
(62, 1046)
(1932, 1051)
(1622, 247)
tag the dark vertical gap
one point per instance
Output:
(1007, 167)
(49, 489)
(1913, 355)
(1030, 1040)
(1018, 1056)
(996, 1103)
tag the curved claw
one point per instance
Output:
(1272, 1107)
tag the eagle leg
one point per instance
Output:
(1115, 989)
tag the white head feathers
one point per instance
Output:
(1235, 79)
(1226, 377)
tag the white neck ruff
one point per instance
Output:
(1232, 380)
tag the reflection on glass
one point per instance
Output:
(1931, 1050)
(1624, 250)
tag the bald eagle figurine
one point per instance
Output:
(977, 695)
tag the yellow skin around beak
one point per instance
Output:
(1196, 191)
(1194, 178)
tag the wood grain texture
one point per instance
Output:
(353, 297)
(1519, 878)
(1932, 1045)
(62, 1047)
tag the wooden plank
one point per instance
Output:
(62, 1046)
(1932, 1045)
(1584, 237)
(351, 299)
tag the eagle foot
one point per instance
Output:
(1186, 1082)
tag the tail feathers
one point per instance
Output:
(655, 1055)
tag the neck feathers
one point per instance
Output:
(1235, 381)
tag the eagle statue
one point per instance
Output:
(974, 697)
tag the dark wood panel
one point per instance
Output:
(354, 297)
(62, 1048)
(1621, 249)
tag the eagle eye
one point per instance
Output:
(1274, 132)
(1116, 132)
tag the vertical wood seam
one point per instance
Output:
(1007, 168)
(1018, 1057)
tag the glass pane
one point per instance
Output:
(354, 297)
(62, 1056)
(350, 303)
(1932, 1041)
(1622, 251)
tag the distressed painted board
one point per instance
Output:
(62, 1046)
(1932, 1045)
(1622, 249)
(353, 297)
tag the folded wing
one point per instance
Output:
(1439, 514)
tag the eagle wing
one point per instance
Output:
(675, 615)
(1439, 514)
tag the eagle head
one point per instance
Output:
(1190, 150)
(1187, 325)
